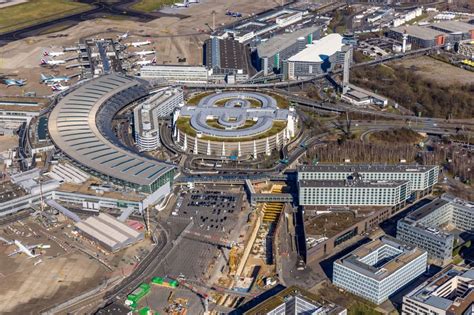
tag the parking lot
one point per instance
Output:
(213, 212)
(9, 191)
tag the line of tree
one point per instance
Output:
(421, 95)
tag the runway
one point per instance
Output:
(99, 9)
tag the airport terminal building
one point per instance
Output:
(80, 125)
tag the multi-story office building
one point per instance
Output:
(146, 115)
(293, 300)
(421, 178)
(449, 292)
(353, 192)
(177, 73)
(269, 55)
(422, 227)
(378, 269)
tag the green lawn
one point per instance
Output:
(151, 5)
(193, 101)
(183, 124)
(214, 123)
(282, 102)
(37, 11)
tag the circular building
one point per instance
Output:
(234, 123)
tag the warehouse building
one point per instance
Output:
(260, 25)
(449, 292)
(146, 116)
(422, 178)
(353, 192)
(269, 55)
(422, 227)
(376, 270)
(107, 231)
(436, 34)
(456, 30)
(318, 58)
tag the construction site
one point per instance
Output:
(225, 253)
(46, 258)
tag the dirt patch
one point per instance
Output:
(436, 70)
(171, 37)
(8, 142)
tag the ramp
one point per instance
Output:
(66, 212)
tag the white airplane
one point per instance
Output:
(52, 62)
(138, 44)
(145, 62)
(25, 249)
(183, 4)
(144, 53)
(57, 87)
(14, 82)
(123, 36)
(52, 79)
(53, 53)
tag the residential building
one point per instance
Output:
(422, 227)
(376, 270)
(449, 292)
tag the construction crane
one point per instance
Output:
(170, 297)
(147, 223)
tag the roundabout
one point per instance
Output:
(234, 123)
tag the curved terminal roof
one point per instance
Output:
(73, 128)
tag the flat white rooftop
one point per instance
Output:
(320, 49)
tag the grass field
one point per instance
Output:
(151, 5)
(184, 124)
(37, 11)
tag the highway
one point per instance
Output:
(286, 84)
